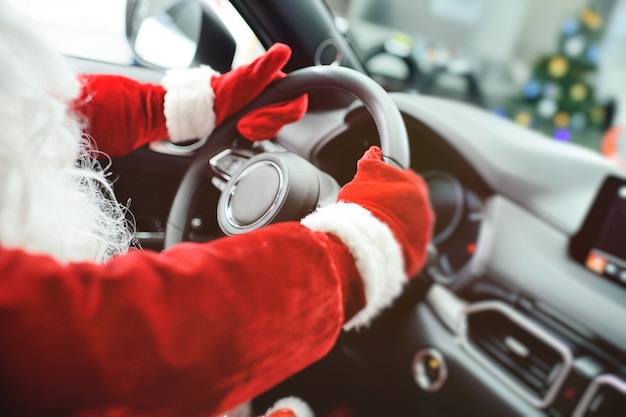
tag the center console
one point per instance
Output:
(513, 356)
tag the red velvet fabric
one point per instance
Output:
(121, 114)
(397, 197)
(195, 330)
(266, 122)
(237, 88)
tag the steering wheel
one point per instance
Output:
(279, 186)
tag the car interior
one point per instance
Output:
(520, 310)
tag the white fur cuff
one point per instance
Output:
(377, 254)
(188, 106)
(299, 407)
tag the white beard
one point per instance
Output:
(54, 197)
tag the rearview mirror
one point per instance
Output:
(170, 34)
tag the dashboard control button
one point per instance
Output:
(610, 269)
(228, 162)
(429, 369)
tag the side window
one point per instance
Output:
(167, 32)
(248, 46)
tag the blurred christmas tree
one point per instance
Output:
(559, 98)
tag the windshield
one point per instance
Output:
(553, 66)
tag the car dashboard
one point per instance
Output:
(519, 319)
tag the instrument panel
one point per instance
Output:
(458, 212)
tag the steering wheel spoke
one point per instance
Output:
(228, 161)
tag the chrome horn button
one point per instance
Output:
(260, 184)
(270, 187)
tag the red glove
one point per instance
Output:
(237, 88)
(194, 107)
(400, 199)
(385, 219)
(123, 114)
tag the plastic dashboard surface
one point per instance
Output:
(541, 198)
(541, 192)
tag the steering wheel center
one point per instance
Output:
(254, 194)
(269, 187)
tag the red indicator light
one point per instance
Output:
(569, 393)
(471, 248)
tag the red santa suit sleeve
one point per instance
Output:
(122, 114)
(198, 328)
(201, 328)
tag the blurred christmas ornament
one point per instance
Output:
(562, 135)
(558, 66)
(591, 18)
(597, 115)
(561, 119)
(575, 46)
(593, 54)
(547, 108)
(524, 118)
(551, 90)
(500, 111)
(570, 26)
(578, 92)
(531, 89)
(578, 121)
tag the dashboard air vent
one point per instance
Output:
(531, 361)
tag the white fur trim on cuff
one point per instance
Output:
(299, 407)
(189, 100)
(377, 254)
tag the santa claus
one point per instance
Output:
(89, 327)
